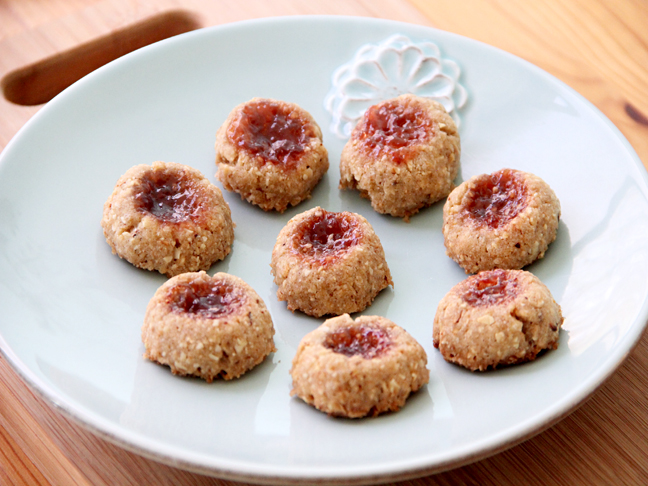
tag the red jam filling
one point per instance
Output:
(207, 299)
(497, 198)
(271, 132)
(391, 128)
(169, 196)
(490, 288)
(327, 235)
(365, 341)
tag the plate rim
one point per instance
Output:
(271, 475)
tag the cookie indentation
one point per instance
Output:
(364, 341)
(271, 132)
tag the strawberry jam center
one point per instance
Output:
(391, 128)
(364, 341)
(170, 196)
(497, 198)
(492, 287)
(207, 299)
(327, 235)
(271, 132)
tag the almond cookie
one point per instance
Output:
(207, 327)
(403, 155)
(506, 219)
(328, 263)
(496, 318)
(358, 368)
(271, 153)
(167, 217)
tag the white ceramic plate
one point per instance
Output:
(71, 311)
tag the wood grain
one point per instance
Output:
(598, 47)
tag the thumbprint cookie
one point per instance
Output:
(403, 155)
(271, 153)
(506, 219)
(168, 217)
(328, 263)
(496, 318)
(208, 327)
(357, 368)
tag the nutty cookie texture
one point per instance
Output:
(496, 318)
(506, 219)
(167, 217)
(403, 155)
(208, 327)
(357, 368)
(328, 263)
(271, 153)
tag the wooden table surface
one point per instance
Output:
(598, 47)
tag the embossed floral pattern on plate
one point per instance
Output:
(393, 67)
